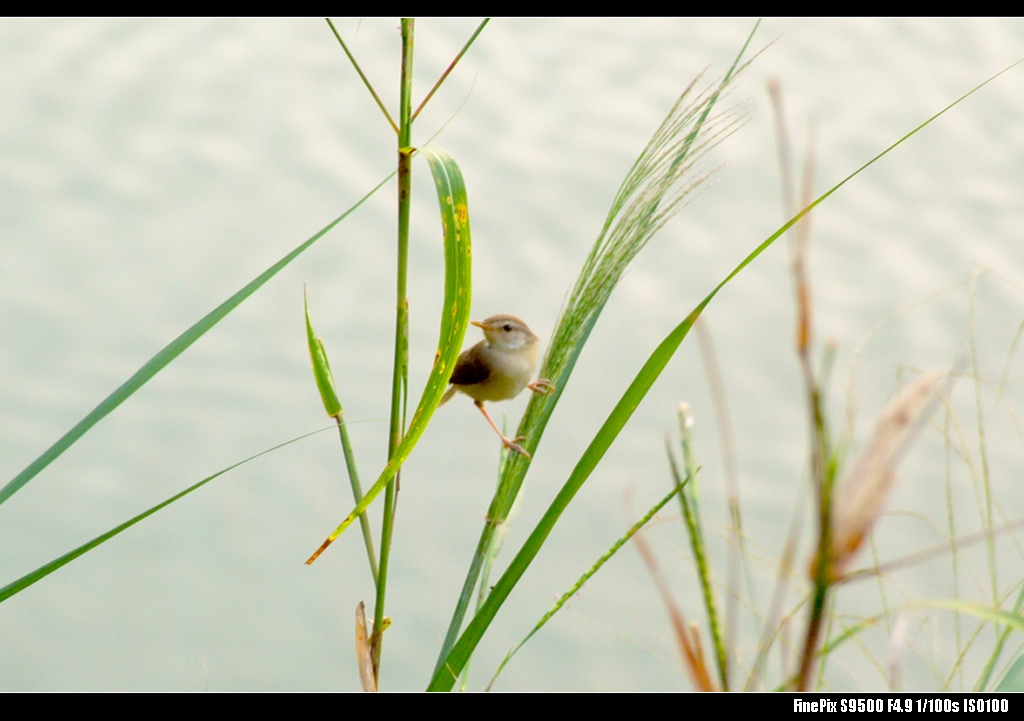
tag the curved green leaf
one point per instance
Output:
(451, 196)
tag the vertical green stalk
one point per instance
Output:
(823, 473)
(824, 476)
(695, 529)
(454, 208)
(400, 374)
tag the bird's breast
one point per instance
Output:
(510, 372)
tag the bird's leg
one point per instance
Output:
(511, 444)
(541, 386)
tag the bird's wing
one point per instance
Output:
(470, 368)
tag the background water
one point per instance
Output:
(152, 167)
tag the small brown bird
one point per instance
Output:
(499, 368)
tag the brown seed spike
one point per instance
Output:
(861, 498)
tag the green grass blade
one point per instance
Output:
(451, 195)
(171, 351)
(451, 665)
(43, 571)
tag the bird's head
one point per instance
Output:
(506, 332)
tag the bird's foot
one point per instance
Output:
(542, 386)
(513, 445)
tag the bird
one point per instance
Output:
(498, 368)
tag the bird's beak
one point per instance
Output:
(478, 324)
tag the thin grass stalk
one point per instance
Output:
(822, 480)
(362, 76)
(774, 624)
(653, 190)
(400, 370)
(986, 674)
(894, 627)
(690, 506)
(737, 558)
(954, 555)
(357, 495)
(688, 643)
(607, 556)
(928, 554)
(819, 601)
(451, 66)
(985, 485)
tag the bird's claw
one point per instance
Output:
(513, 445)
(542, 386)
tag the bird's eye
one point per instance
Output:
(508, 327)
